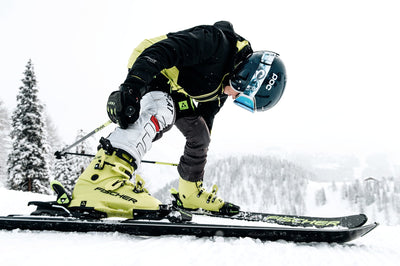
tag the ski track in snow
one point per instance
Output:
(18, 247)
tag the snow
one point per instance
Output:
(17, 247)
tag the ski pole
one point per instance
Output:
(163, 163)
(143, 161)
(58, 154)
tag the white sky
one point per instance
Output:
(342, 61)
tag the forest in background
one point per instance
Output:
(270, 184)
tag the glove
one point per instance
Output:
(123, 106)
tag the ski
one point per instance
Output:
(161, 228)
(177, 214)
(350, 221)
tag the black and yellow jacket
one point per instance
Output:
(196, 62)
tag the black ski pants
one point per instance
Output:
(192, 162)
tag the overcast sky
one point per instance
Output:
(342, 60)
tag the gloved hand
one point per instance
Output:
(123, 106)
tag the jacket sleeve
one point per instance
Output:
(184, 48)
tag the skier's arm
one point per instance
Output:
(185, 48)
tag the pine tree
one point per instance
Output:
(320, 197)
(4, 140)
(27, 165)
(334, 186)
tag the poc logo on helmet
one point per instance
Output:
(271, 82)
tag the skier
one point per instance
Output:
(182, 79)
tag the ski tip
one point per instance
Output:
(369, 228)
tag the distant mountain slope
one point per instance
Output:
(258, 183)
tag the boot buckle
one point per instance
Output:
(101, 160)
(139, 185)
(213, 195)
(114, 185)
(123, 170)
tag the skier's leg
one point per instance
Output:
(157, 115)
(105, 185)
(194, 158)
(191, 168)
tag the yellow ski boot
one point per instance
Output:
(105, 186)
(192, 196)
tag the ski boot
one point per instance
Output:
(105, 186)
(192, 196)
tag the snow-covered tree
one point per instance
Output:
(320, 197)
(70, 167)
(334, 186)
(64, 172)
(27, 164)
(4, 140)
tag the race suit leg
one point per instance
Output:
(157, 115)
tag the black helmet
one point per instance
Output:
(260, 79)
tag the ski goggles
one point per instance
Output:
(246, 102)
(247, 95)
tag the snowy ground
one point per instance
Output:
(17, 247)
